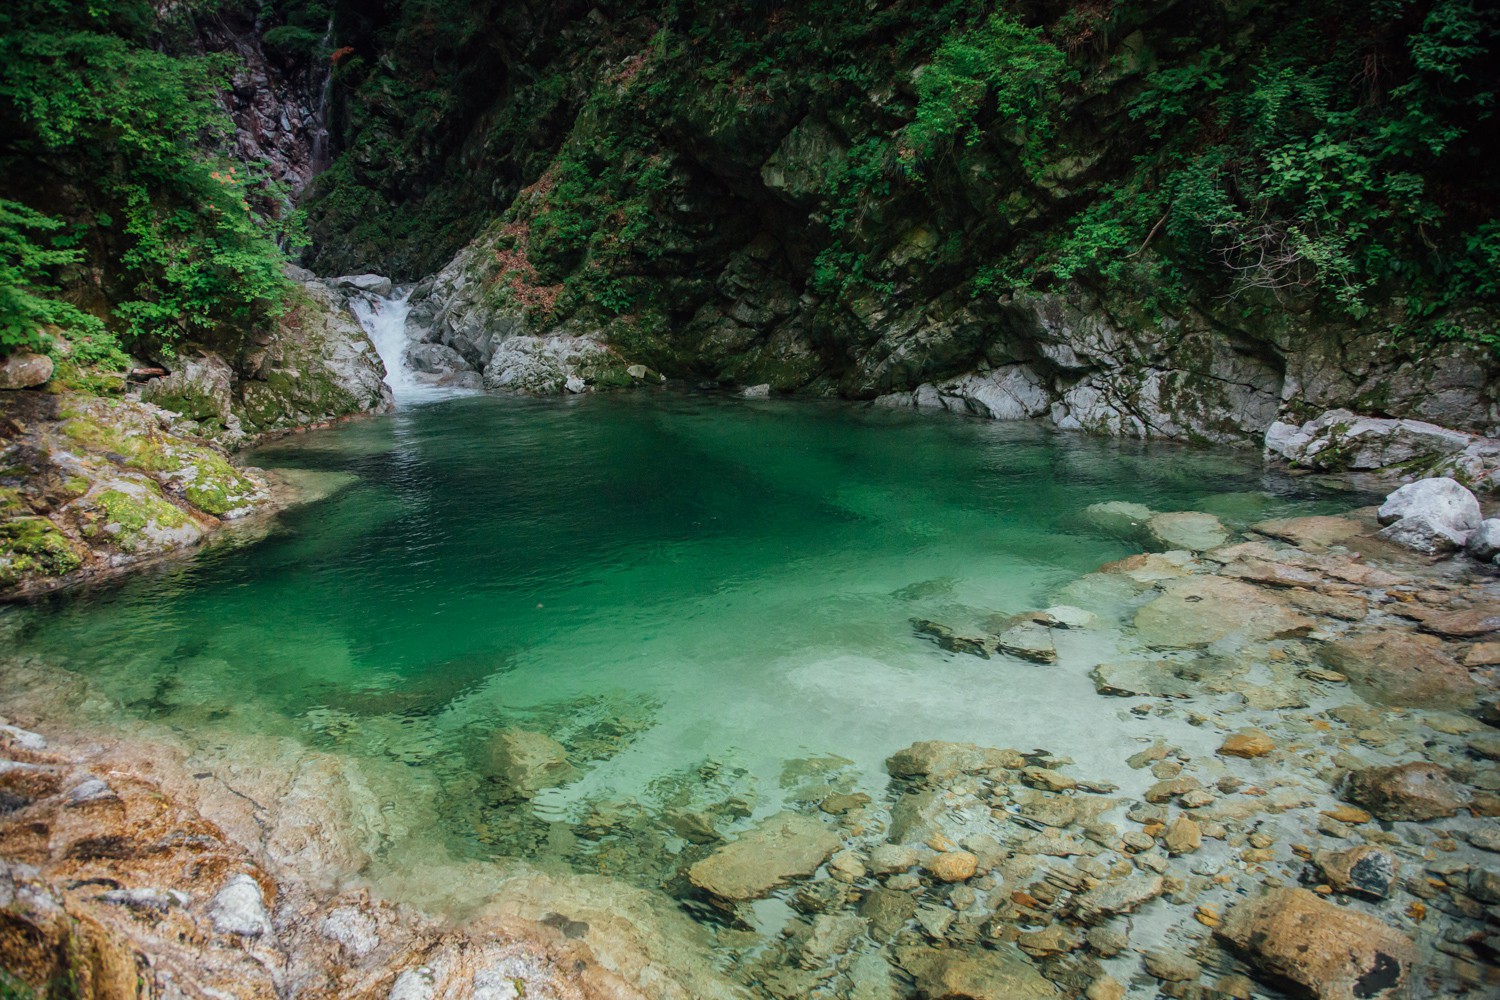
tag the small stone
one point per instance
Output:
(1106, 987)
(1183, 836)
(1166, 791)
(1247, 743)
(887, 858)
(239, 908)
(846, 866)
(1171, 966)
(1365, 870)
(527, 762)
(953, 866)
(1048, 779)
(1107, 942)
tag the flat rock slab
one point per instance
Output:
(1189, 530)
(1313, 533)
(1399, 668)
(782, 847)
(1201, 610)
(1290, 936)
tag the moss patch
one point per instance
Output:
(34, 547)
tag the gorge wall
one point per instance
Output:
(1073, 211)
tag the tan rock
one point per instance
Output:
(1183, 836)
(1312, 533)
(1247, 743)
(1201, 610)
(1000, 973)
(1328, 952)
(782, 847)
(1483, 654)
(1470, 624)
(1189, 530)
(953, 866)
(24, 370)
(1414, 792)
(1400, 668)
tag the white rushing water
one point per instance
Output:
(384, 319)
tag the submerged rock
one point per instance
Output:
(1416, 791)
(1365, 870)
(1189, 530)
(780, 848)
(1001, 973)
(1028, 641)
(1201, 610)
(528, 762)
(1295, 939)
(1119, 517)
(1393, 667)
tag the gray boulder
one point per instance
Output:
(435, 359)
(372, 284)
(1484, 543)
(1341, 439)
(1431, 516)
(24, 370)
(200, 388)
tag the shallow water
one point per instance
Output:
(708, 601)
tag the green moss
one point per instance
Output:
(34, 547)
(215, 486)
(133, 515)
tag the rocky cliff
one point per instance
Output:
(855, 205)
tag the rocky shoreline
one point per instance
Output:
(1328, 831)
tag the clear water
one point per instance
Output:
(687, 591)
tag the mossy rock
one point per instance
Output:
(32, 547)
(138, 519)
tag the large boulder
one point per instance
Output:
(1401, 668)
(1315, 949)
(199, 387)
(370, 284)
(783, 847)
(552, 365)
(1446, 501)
(24, 370)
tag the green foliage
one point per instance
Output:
(1002, 72)
(1272, 171)
(166, 219)
(28, 293)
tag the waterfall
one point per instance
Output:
(384, 319)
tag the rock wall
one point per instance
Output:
(633, 195)
(315, 365)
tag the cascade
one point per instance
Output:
(384, 319)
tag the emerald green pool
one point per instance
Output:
(688, 592)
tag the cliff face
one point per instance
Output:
(921, 206)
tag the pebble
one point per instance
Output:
(1247, 744)
(953, 866)
(1183, 836)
